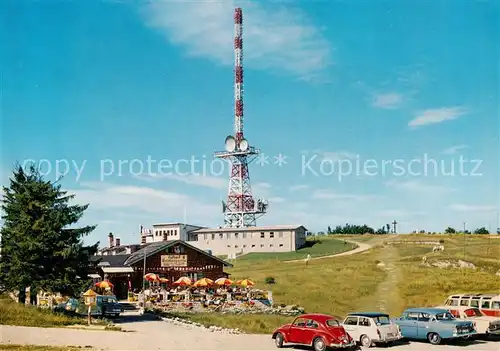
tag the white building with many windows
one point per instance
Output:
(168, 232)
(227, 241)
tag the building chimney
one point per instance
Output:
(117, 242)
(110, 240)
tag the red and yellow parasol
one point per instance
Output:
(151, 277)
(245, 283)
(223, 281)
(183, 281)
(203, 282)
(163, 280)
(104, 284)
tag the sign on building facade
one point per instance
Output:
(174, 260)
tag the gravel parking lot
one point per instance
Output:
(148, 334)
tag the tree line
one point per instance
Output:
(41, 246)
(354, 229)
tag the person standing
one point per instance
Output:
(307, 259)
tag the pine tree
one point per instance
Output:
(41, 248)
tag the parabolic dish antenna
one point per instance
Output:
(243, 145)
(230, 144)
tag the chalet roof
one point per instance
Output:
(156, 247)
(111, 260)
(248, 229)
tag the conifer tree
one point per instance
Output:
(40, 246)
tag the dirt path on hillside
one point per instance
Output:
(361, 248)
(387, 293)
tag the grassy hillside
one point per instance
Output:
(323, 246)
(389, 277)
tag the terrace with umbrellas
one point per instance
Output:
(203, 295)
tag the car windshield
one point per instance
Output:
(444, 316)
(382, 320)
(109, 300)
(332, 323)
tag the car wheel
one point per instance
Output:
(434, 338)
(365, 341)
(278, 339)
(319, 344)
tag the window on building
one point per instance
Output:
(270, 245)
(261, 245)
(244, 246)
(281, 245)
(244, 235)
(271, 234)
(228, 245)
(213, 236)
(280, 234)
(236, 235)
(235, 246)
(221, 236)
(262, 235)
(253, 245)
(175, 232)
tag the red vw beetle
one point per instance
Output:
(318, 330)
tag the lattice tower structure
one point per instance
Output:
(241, 209)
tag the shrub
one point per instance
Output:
(441, 241)
(270, 280)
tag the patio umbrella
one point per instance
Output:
(151, 277)
(203, 282)
(223, 281)
(104, 284)
(163, 280)
(245, 282)
(183, 281)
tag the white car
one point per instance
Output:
(371, 328)
(484, 324)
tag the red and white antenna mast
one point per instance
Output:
(241, 210)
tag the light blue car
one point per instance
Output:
(433, 325)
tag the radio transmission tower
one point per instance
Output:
(240, 210)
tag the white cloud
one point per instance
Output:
(454, 149)
(261, 190)
(434, 116)
(388, 100)
(191, 179)
(332, 195)
(417, 186)
(473, 208)
(147, 200)
(298, 187)
(276, 200)
(275, 36)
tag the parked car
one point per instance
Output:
(370, 328)
(318, 330)
(70, 305)
(433, 324)
(484, 324)
(106, 306)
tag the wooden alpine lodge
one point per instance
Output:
(168, 259)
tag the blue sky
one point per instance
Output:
(341, 82)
